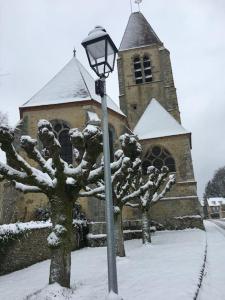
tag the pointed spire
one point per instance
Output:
(138, 33)
(74, 52)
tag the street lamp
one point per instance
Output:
(101, 53)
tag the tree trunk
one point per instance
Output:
(146, 234)
(60, 240)
(120, 250)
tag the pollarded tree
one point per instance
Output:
(60, 182)
(124, 182)
(159, 182)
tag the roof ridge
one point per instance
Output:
(79, 65)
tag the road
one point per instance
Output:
(219, 222)
(213, 287)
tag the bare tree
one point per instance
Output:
(123, 183)
(159, 183)
(60, 182)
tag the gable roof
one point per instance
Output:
(216, 201)
(138, 33)
(72, 84)
(157, 122)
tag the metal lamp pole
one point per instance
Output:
(111, 253)
(101, 53)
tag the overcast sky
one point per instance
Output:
(37, 38)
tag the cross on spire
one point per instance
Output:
(74, 52)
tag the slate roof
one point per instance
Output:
(156, 122)
(138, 33)
(72, 84)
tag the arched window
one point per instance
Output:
(138, 70)
(61, 130)
(147, 68)
(158, 157)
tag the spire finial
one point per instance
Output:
(74, 52)
(138, 3)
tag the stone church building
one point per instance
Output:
(148, 107)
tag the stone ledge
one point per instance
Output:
(99, 240)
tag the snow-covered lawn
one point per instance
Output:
(169, 269)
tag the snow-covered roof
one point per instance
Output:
(72, 84)
(138, 33)
(216, 201)
(157, 122)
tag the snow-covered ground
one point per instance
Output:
(213, 285)
(169, 269)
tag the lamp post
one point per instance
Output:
(101, 53)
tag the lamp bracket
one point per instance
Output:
(99, 87)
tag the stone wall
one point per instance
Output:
(29, 247)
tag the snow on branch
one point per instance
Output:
(133, 205)
(93, 192)
(11, 174)
(51, 146)
(6, 144)
(26, 188)
(167, 188)
(29, 146)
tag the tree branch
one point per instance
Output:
(13, 158)
(29, 146)
(92, 192)
(133, 205)
(51, 144)
(167, 188)
(26, 188)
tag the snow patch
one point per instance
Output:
(113, 296)
(52, 292)
(188, 217)
(157, 122)
(171, 267)
(17, 228)
(53, 240)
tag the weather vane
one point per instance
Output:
(138, 3)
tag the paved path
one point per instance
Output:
(213, 285)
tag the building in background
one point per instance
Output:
(216, 207)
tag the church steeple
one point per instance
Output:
(138, 33)
(144, 71)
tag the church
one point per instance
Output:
(148, 106)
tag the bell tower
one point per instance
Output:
(148, 98)
(144, 71)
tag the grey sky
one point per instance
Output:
(37, 38)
